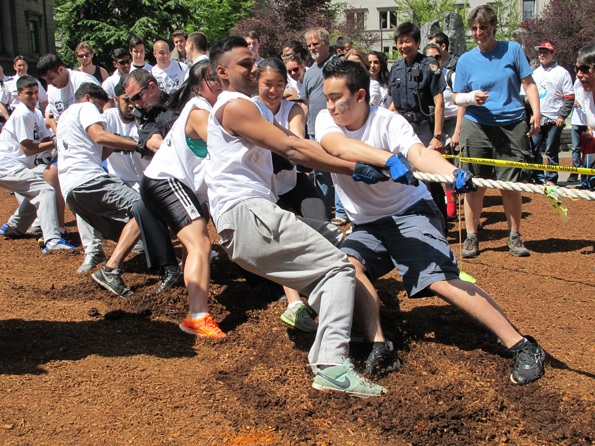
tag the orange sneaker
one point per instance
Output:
(205, 327)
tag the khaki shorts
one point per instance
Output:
(508, 142)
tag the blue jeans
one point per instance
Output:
(551, 133)
(576, 144)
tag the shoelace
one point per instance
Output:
(210, 323)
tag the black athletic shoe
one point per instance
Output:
(170, 279)
(382, 359)
(528, 361)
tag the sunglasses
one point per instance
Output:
(82, 56)
(582, 68)
(287, 55)
(123, 62)
(437, 57)
(138, 95)
(293, 70)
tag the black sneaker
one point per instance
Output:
(572, 178)
(170, 279)
(517, 247)
(470, 248)
(382, 359)
(528, 361)
(112, 281)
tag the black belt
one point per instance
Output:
(414, 117)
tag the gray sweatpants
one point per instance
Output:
(39, 200)
(266, 240)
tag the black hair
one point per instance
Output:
(136, 41)
(49, 62)
(355, 75)
(273, 64)
(441, 39)
(199, 72)
(384, 75)
(341, 41)
(17, 58)
(93, 90)
(432, 46)
(141, 77)
(223, 46)
(199, 40)
(586, 54)
(408, 29)
(118, 53)
(26, 82)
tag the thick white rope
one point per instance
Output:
(506, 185)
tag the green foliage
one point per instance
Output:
(423, 11)
(509, 18)
(108, 24)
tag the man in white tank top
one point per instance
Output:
(264, 239)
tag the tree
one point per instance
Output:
(423, 11)
(566, 23)
(278, 21)
(108, 24)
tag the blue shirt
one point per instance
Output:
(499, 72)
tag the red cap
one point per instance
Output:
(546, 46)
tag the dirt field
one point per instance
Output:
(80, 367)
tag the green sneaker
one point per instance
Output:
(344, 378)
(301, 317)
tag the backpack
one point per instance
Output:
(451, 68)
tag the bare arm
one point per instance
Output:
(429, 161)
(4, 111)
(297, 121)
(107, 139)
(438, 120)
(33, 148)
(455, 138)
(339, 145)
(241, 117)
(196, 126)
(533, 98)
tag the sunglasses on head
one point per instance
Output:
(582, 68)
(138, 95)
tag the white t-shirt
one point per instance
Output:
(146, 67)
(236, 168)
(175, 159)
(553, 84)
(450, 108)
(589, 108)
(169, 79)
(365, 203)
(578, 115)
(79, 157)
(110, 83)
(127, 165)
(22, 125)
(379, 94)
(59, 99)
(10, 93)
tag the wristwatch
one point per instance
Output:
(439, 137)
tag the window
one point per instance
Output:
(34, 35)
(528, 9)
(356, 19)
(388, 19)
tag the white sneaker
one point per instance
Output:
(91, 261)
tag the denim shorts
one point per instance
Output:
(413, 242)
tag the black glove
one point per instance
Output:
(463, 181)
(368, 174)
(144, 152)
(280, 163)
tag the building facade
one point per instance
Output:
(26, 28)
(381, 17)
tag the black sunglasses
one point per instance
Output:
(582, 68)
(124, 62)
(138, 95)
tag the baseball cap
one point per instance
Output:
(546, 46)
(119, 88)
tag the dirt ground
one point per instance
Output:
(80, 367)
